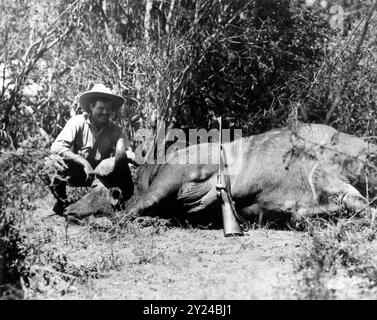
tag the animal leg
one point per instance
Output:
(315, 210)
(347, 197)
(253, 210)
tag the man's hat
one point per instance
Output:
(100, 91)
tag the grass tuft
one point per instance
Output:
(342, 250)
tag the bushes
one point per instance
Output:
(246, 61)
(251, 62)
(20, 187)
(258, 59)
(341, 251)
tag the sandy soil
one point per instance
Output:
(159, 263)
(203, 265)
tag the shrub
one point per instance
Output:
(20, 187)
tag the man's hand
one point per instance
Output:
(89, 173)
(81, 161)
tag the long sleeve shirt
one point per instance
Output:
(80, 136)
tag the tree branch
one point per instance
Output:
(169, 17)
(148, 20)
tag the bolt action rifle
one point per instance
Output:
(230, 224)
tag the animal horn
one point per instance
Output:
(120, 150)
(121, 172)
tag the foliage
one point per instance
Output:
(347, 75)
(21, 185)
(341, 249)
(252, 62)
(28, 35)
(243, 60)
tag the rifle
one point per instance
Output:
(230, 224)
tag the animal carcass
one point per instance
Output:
(283, 173)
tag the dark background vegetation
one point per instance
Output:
(259, 64)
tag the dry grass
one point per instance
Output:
(148, 259)
(340, 262)
(96, 261)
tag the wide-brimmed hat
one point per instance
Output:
(100, 91)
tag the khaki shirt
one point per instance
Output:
(81, 137)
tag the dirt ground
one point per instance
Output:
(94, 261)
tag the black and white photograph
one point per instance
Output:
(188, 154)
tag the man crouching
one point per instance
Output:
(85, 141)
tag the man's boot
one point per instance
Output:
(58, 190)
